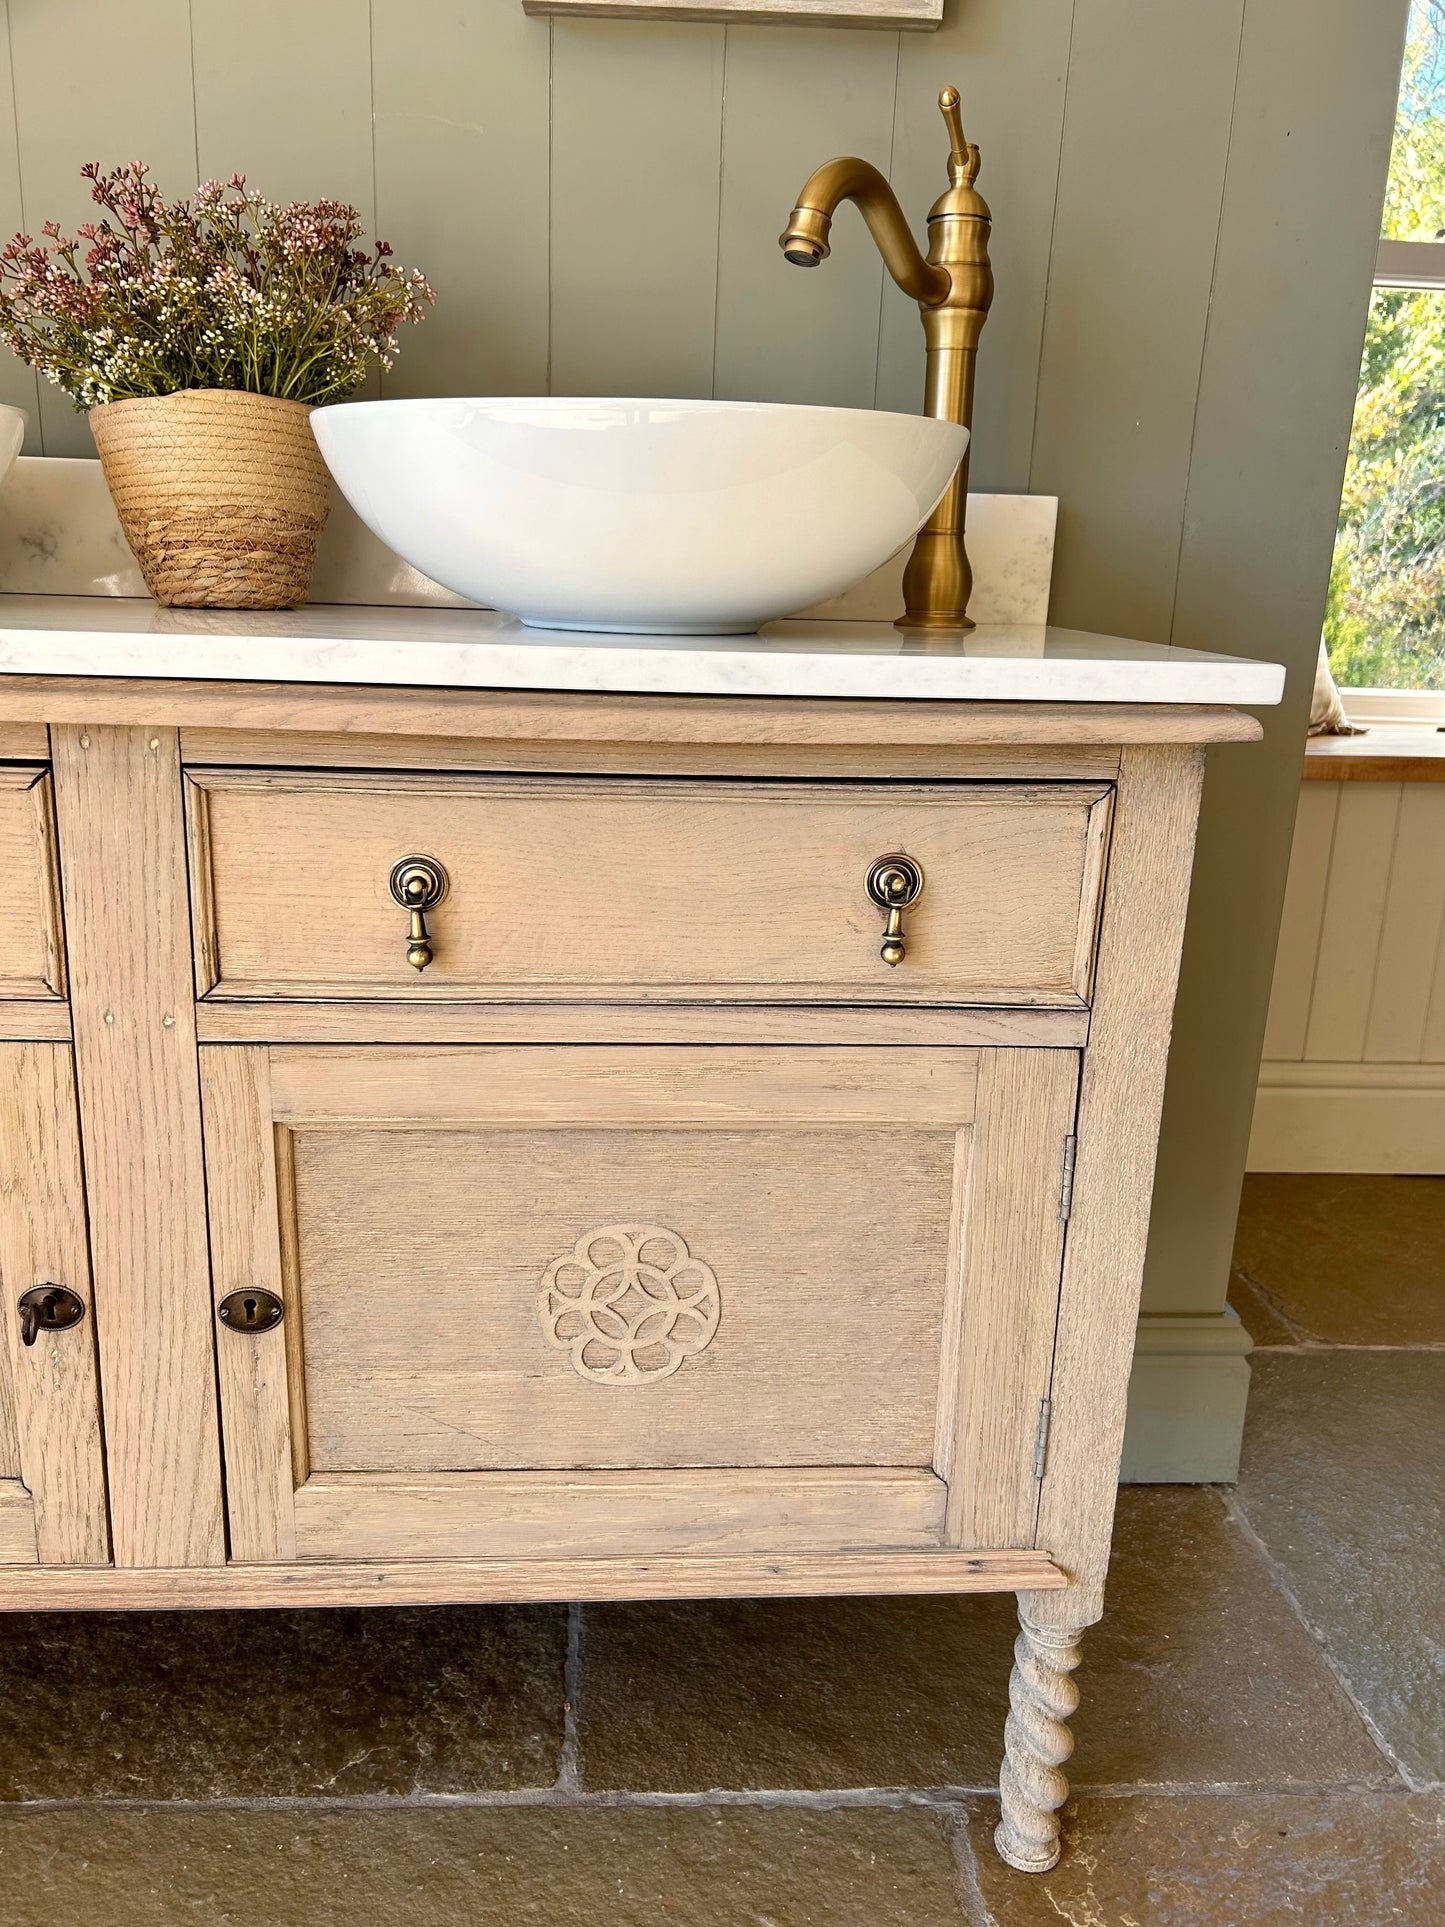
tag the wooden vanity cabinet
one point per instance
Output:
(656, 1239)
(597, 1301)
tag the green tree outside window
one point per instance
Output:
(1385, 621)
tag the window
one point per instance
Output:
(1385, 620)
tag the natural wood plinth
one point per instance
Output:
(429, 1582)
(1037, 1741)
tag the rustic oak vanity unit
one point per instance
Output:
(601, 1122)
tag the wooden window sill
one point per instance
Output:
(1390, 753)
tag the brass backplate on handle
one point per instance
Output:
(418, 884)
(48, 1308)
(895, 883)
(251, 1311)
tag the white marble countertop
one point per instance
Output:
(478, 649)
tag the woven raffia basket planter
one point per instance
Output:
(222, 495)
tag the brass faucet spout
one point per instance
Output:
(805, 239)
(953, 286)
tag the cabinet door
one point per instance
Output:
(583, 1301)
(52, 1471)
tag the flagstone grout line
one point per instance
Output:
(1270, 1305)
(948, 1799)
(569, 1780)
(965, 1868)
(1312, 1347)
(1235, 1511)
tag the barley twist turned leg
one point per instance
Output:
(1037, 1741)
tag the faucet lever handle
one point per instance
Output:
(963, 161)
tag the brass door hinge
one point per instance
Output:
(1041, 1438)
(1066, 1187)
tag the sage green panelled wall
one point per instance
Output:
(1185, 194)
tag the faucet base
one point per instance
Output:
(937, 582)
(936, 625)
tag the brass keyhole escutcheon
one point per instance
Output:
(48, 1308)
(256, 1310)
(895, 883)
(418, 884)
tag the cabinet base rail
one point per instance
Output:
(500, 1582)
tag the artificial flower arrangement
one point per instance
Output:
(199, 334)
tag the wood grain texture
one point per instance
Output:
(32, 949)
(23, 742)
(17, 1526)
(1402, 753)
(118, 799)
(636, 137)
(422, 1257)
(451, 1582)
(920, 15)
(638, 891)
(1011, 1251)
(39, 1023)
(236, 1022)
(1121, 1095)
(56, 1391)
(595, 1515)
(562, 1087)
(550, 717)
(987, 761)
(246, 1253)
(9, 1437)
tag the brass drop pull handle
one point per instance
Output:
(49, 1308)
(895, 883)
(418, 884)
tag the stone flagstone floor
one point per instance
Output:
(1262, 1737)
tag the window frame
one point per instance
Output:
(1419, 266)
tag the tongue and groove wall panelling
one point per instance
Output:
(1141, 182)
(794, 98)
(283, 96)
(1010, 62)
(462, 163)
(100, 83)
(1309, 148)
(636, 145)
(19, 386)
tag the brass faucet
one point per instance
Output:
(953, 288)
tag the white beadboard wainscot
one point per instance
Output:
(1353, 1077)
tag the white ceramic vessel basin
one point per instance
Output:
(12, 436)
(651, 517)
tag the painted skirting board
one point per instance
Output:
(1187, 1395)
(1349, 1117)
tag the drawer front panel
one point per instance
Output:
(622, 891)
(31, 951)
(573, 1301)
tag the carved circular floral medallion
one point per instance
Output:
(629, 1302)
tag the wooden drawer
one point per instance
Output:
(31, 952)
(579, 1301)
(624, 891)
